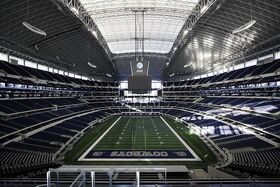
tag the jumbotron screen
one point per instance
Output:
(139, 83)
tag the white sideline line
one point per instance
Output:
(182, 141)
(97, 141)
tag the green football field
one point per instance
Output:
(136, 133)
(139, 139)
(140, 134)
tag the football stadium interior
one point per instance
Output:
(140, 93)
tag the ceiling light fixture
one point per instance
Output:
(218, 7)
(244, 27)
(171, 75)
(34, 29)
(75, 10)
(94, 34)
(203, 9)
(89, 59)
(57, 4)
(92, 65)
(36, 47)
(186, 32)
(31, 27)
(187, 65)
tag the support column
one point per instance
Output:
(92, 174)
(110, 173)
(137, 178)
(48, 179)
(57, 178)
(84, 179)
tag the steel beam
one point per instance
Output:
(76, 7)
(125, 55)
(199, 10)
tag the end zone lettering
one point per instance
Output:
(139, 154)
(143, 154)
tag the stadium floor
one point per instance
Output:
(139, 138)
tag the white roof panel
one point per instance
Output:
(163, 21)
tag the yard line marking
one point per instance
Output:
(181, 140)
(98, 140)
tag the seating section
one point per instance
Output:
(14, 162)
(265, 163)
(210, 127)
(244, 141)
(52, 79)
(198, 97)
(256, 104)
(251, 155)
(233, 75)
(245, 97)
(48, 110)
(30, 122)
(268, 123)
(10, 106)
(36, 151)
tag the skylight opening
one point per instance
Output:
(162, 22)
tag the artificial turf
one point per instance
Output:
(140, 133)
(140, 126)
(198, 146)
